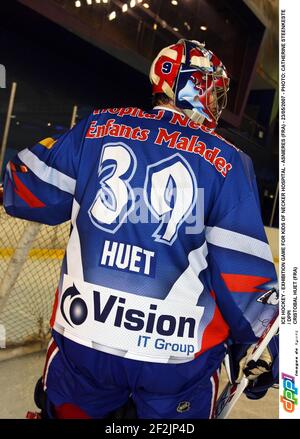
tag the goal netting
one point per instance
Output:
(30, 260)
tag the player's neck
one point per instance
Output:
(169, 106)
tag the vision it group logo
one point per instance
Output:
(289, 399)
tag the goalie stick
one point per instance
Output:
(233, 391)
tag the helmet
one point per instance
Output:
(193, 78)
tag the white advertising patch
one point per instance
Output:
(128, 325)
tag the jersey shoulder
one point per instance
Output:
(229, 147)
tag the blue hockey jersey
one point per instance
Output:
(167, 255)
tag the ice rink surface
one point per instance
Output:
(19, 375)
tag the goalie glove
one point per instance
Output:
(262, 374)
(253, 369)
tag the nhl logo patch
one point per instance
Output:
(183, 406)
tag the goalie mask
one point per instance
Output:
(194, 79)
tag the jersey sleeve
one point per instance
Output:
(39, 182)
(242, 268)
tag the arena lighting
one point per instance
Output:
(78, 3)
(204, 28)
(104, 1)
(155, 26)
(174, 2)
(89, 2)
(132, 3)
(140, 1)
(175, 29)
(187, 25)
(98, 1)
(112, 15)
(146, 5)
(125, 8)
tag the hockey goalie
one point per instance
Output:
(167, 267)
